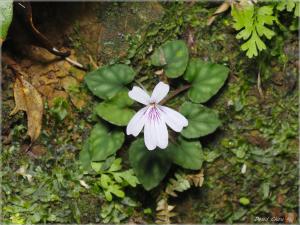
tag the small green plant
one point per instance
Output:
(251, 23)
(112, 180)
(115, 212)
(202, 80)
(255, 23)
(60, 109)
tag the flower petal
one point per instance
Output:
(160, 91)
(149, 136)
(173, 119)
(137, 122)
(161, 132)
(155, 132)
(139, 95)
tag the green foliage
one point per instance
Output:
(116, 110)
(33, 192)
(206, 79)
(112, 179)
(180, 183)
(173, 55)
(6, 14)
(251, 23)
(149, 166)
(101, 144)
(107, 81)
(244, 201)
(187, 154)
(115, 212)
(125, 177)
(289, 5)
(210, 156)
(60, 108)
(202, 120)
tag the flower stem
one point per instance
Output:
(175, 93)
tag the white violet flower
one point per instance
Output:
(154, 117)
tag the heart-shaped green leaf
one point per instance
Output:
(103, 143)
(116, 110)
(6, 14)
(206, 79)
(174, 56)
(150, 167)
(187, 154)
(107, 81)
(202, 120)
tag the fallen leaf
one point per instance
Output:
(63, 68)
(38, 150)
(290, 217)
(45, 90)
(276, 212)
(222, 8)
(28, 99)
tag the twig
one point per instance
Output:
(259, 85)
(175, 93)
(93, 62)
(75, 63)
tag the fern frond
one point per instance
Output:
(289, 5)
(251, 23)
(180, 183)
(196, 179)
(164, 211)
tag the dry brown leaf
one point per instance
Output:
(169, 190)
(38, 150)
(290, 217)
(28, 99)
(196, 179)
(159, 72)
(222, 8)
(164, 212)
